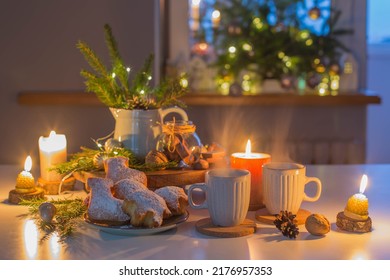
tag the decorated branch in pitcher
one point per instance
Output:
(113, 87)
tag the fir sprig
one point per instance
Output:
(112, 86)
(285, 222)
(68, 216)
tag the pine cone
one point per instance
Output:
(287, 224)
(142, 103)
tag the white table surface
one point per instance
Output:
(18, 241)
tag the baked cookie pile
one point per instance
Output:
(123, 197)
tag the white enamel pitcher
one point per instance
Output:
(138, 129)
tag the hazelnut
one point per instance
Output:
(201, 164)
(317, 224)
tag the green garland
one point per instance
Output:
(84, 161)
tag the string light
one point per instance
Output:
(246, 85)
(258, 23)
(304, 34)
(309, 42)
(246, 47)
(142, 91)
(128, 69)
(334, 82)
(232, 49)
(225, 88)
(216, 14)
(184, 82)
(113, 75)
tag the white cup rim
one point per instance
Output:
(283, 166)
(227, 173)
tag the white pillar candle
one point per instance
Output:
(52, 151)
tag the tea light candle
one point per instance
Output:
(253, 162)
(52, 151)
(357, 205)
(25, 188)
(25, 182)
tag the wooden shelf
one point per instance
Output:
(89, 99)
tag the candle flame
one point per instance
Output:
(28, 164)
(363, 183)
(248, 149)
(52, 134)
(195, 3)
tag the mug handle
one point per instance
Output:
(201, 186)
(319, 189)
(177, 110)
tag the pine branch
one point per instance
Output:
(103, 80)
(92, 59)
(143, 77)
(69, 213)
(97, 86)
(112, 86)
(170, 92)
(111, 43)
(119, 67)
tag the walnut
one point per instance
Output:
(317, 224)
(201, 164)
(156, 157)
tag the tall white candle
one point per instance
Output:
(215, 18)
(52, 151)
(195, 14)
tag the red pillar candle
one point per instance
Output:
(253, 162)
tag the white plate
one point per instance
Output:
(128, 230)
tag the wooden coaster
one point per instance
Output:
(265, 217)
(51, 187)
(14, 197)
(345, 223)
(207, 227)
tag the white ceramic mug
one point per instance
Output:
(284, 186)
(227, 195)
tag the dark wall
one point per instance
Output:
(38, 53)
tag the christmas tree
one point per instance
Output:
(255, 40)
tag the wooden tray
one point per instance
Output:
(157, 179)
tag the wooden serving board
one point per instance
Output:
(157, 179)
(207, 227)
